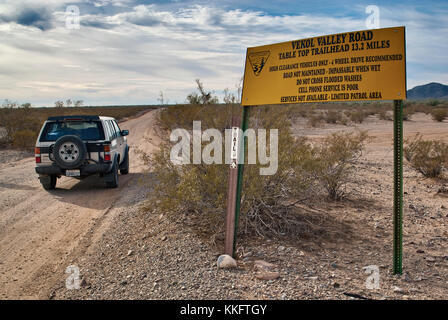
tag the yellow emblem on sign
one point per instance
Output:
(258, 61)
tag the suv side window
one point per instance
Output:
(117, 128)
(106, 130)
(111, 129)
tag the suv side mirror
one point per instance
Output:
(124, 132)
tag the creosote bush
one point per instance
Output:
(305, 171)
(384, 115)
(407, 113)
(201, 189)
(333, 161)
(336, 117)
(24, 138)
(429, 157)
(315, 119)
(439, 114)
(358, 116)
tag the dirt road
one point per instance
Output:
(42, 232)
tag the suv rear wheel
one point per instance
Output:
(112, 177)
(124, 167)
(48, 182)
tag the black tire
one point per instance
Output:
(69, 152)
(48, 182)
(124, 167)
(112, 177)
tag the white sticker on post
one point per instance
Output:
(234, 150)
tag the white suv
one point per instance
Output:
(79, 146)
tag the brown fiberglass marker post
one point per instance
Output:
(232, 187)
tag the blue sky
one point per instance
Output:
(128, 51)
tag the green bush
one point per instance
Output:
(429, 157)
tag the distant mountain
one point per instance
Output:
(431, 90)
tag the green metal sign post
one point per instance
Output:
(264, 84)
(398, 182)
(239, 188)
(398, 186)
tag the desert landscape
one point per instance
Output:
(222, 158)
(126, 251)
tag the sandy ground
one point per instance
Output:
(381, 132)
(146, 255)
(124, 252)
(42, 232)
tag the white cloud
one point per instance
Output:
(130, 56)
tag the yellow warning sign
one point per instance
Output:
(352, 66)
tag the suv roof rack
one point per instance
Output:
(64, 118)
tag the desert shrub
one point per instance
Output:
(24, 138)
(420, 107)
(302, 112)
(358, 116)
(268, 202)
(200, 189)
(334, 159)
(370, 110)
(384, 115)
(315, 119)
(347, 113)
(434, 103)
(19, 123)
(439, 114)
(407, 114)
(3, 138)
(333, 116)
(429, 157)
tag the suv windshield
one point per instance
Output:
(86, 130)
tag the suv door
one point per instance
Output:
(121, 139)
